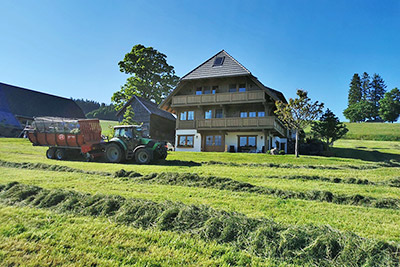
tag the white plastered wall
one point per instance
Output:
(196, 140)
(281, 141)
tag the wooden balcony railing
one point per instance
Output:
(220, 98)
(259, 123)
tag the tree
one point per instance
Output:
(390, 105)
(152, 77)
(358, 112)
(104, 112)
(355, 90)
(377, 92)
(128, 117)
(87, 105)
(365, 86)
(298, 113)
(328, 128)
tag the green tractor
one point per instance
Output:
(128, 143)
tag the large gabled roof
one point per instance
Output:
(151, 107)
(28, 103)
(229, 67)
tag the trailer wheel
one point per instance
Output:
(143, 156)
(114, 153)
(60, 154)
(50, 153)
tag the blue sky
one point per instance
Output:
(72, 48)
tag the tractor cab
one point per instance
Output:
(128, 131)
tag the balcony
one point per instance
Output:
(259, 123)
(220, 98)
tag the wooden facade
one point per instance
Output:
(229, 112)
(156, 123)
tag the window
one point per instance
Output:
(252, 114)
(183, 116)
(207, 90)
(190, 115)
(214, 89)
(242, 140)
(251, 141)
(242, 87)
(243, 114)
(218, 61)
(185, 140)
(199, 91)
(213, 140)
(209, 140)
(218, 113)
(232, 88)
(261, 114)
(218, 140)
(208, 114)
(247, 140)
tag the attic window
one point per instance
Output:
(218, 61)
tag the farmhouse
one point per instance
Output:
(157, 123)
(221, 106)
(19, 105)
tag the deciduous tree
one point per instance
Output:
(298, 113)
(152, 77)
(328, 128)
(390, 106)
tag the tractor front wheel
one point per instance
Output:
(143, 156)
(114, 153)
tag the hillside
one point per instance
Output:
(373, 131)
(370, 131)
(201, 208)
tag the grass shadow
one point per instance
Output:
(366, 155)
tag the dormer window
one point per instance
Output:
(218, 61)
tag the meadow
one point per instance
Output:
(206, 209)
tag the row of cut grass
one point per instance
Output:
(297, 244)
(34, 237)
(368, 222)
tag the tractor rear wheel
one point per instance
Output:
(143, 156)
(50, 153)
(114, 153)
(60, 154)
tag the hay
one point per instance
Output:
(300, 245)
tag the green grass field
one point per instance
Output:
(356, 194)
(106, 126)
(371, 131)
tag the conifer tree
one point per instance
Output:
(365, 86)
(377, 92)
(355, 90)
(328, 128)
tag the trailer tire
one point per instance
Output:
(50, 153)
(143, 156)
(114, 153)
(60, 154)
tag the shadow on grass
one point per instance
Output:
(177, 163)
(366, 155)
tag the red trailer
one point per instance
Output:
(67, 136)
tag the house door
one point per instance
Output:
(214, 143)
